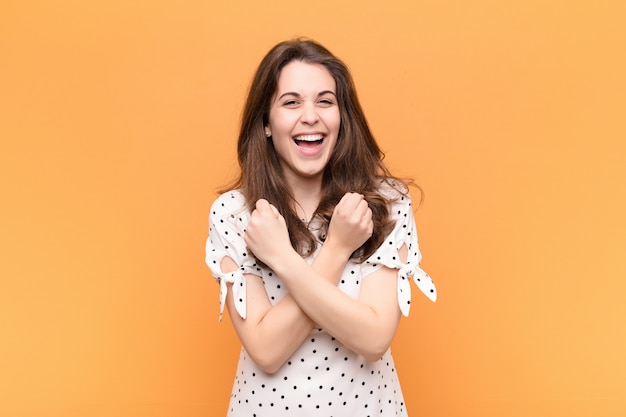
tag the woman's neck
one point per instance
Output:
(307, 195)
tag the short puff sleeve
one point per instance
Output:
(227, 225)
(404, 233)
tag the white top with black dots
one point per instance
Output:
(323, 377)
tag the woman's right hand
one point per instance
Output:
(351, 224)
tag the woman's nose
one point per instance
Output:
(309, 114)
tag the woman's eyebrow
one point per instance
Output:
(298, 95)
(289, 93)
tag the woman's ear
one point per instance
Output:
(268, 133)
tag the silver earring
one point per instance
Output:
(267, 133)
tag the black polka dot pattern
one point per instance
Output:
(322, 377)
(324, 383)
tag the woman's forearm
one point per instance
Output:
(365, 325)
(271, 334)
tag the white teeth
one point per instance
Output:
(309, 138)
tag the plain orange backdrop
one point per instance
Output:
(118, 122)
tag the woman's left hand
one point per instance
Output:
(267, 235)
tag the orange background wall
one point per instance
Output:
(118, 122)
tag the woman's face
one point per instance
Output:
(304, 121)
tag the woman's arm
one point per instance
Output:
(365, 325)
(270, 334)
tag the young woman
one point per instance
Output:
(313, 247)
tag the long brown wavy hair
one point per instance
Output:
(356, 164)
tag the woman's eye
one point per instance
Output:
(290, 103)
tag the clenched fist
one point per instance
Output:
(351, 224)
(266, 235)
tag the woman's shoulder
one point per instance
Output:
(229, 203)
(393, 190)
(396, 193)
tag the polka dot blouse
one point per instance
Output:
(322, 378)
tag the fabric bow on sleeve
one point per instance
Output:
(239, 291)
(421, 279)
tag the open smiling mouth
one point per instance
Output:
(309, 141)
